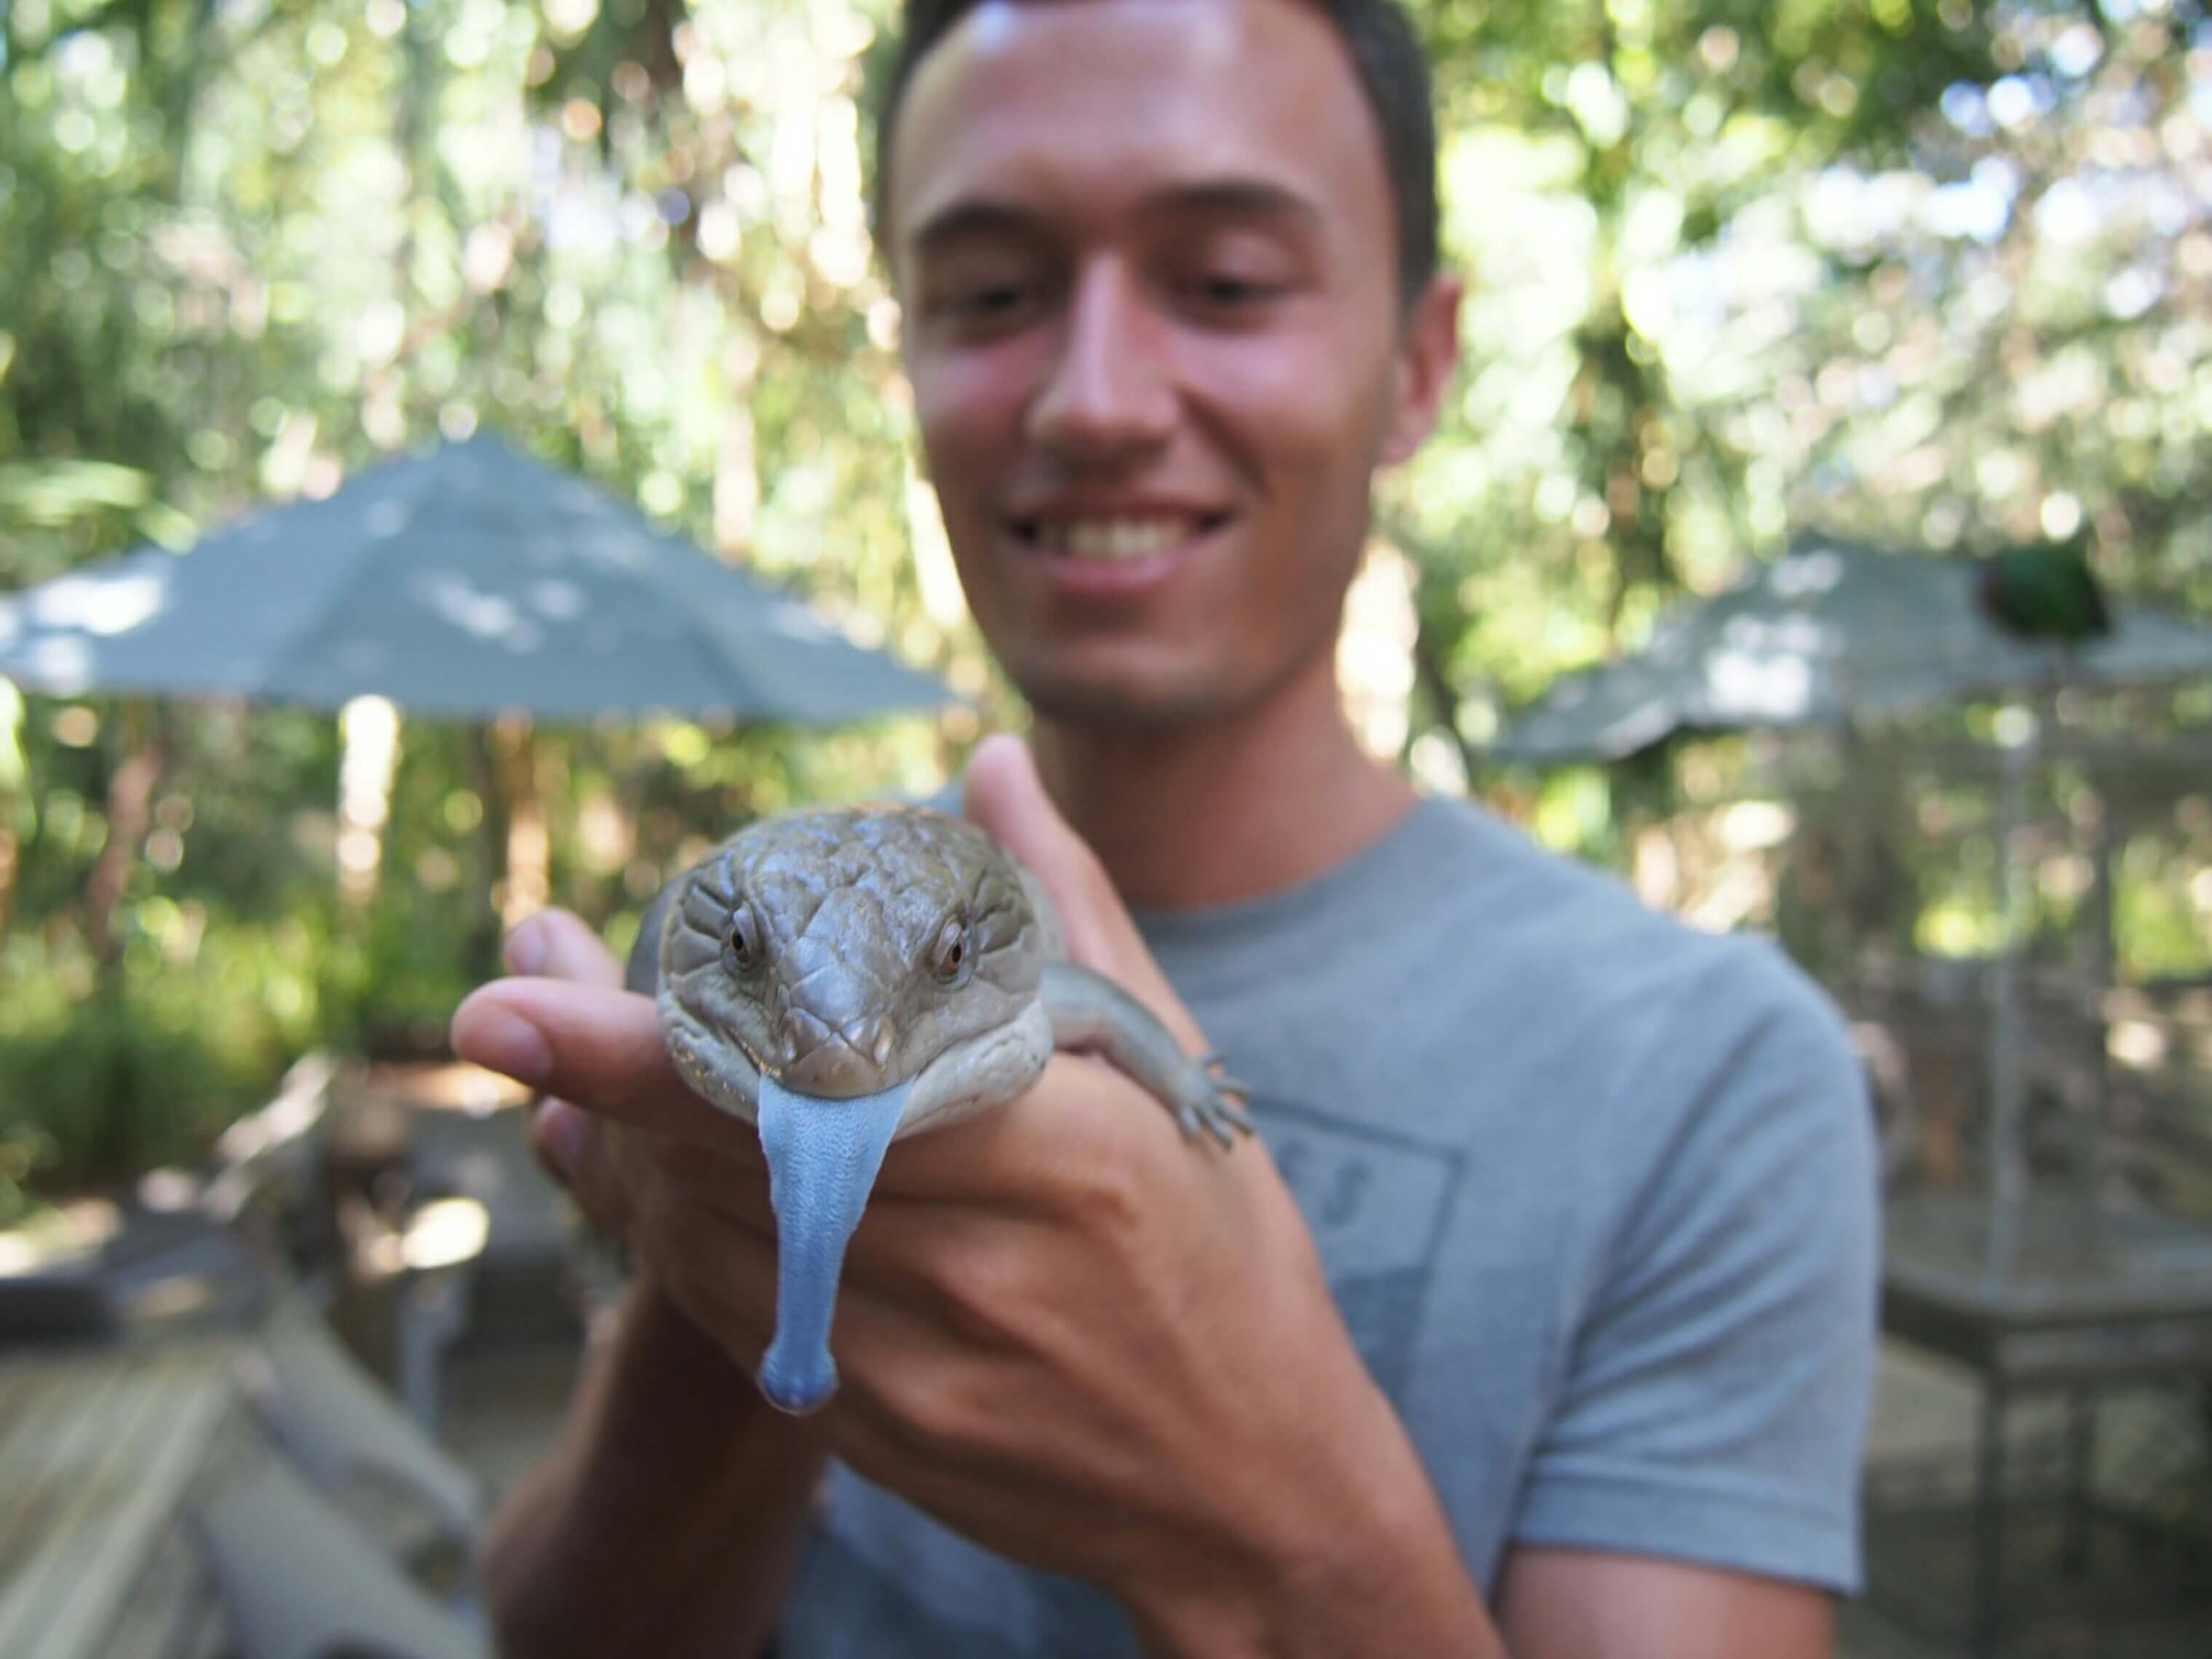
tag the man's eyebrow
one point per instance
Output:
(972, 216)
(981, 215)
(1256, 197)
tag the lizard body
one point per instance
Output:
(843, 978)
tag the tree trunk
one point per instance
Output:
(130, 812)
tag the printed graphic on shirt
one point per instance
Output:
(1376, 1204)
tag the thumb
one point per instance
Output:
(1003, 796)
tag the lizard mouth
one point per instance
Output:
(760, 1064)
(967, 1074)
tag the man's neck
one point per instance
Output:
(1211, 814)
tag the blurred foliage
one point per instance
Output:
(1929, 273)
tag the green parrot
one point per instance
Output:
(2047, 594)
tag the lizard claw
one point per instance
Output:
(1225, 1082)
(1222, 1109)
(1216, 1067)
(1216, 1115)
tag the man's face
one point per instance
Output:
(1147, 251)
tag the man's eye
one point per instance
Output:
(1222, 291)
(987, 302)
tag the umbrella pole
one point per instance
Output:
(489, 932)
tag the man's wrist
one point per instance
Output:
(664, 1375)
(1368, 1566)
(667, 1521)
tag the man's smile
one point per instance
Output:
(1116, 536)
(1113, 553)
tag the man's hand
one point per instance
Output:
(1074, 1336)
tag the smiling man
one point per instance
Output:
(1541, 1320)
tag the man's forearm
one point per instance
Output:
(667, 1519)
(1386, 1606)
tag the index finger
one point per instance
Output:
(596, 1048)
(558, 944)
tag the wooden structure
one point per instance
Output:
(192, 1464)
(100, 1449)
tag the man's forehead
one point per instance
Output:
(1144, 92)
(995, 29)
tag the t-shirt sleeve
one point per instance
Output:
(1716, 1388)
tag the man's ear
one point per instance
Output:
(1428, 353)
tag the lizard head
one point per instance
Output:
(843, 952)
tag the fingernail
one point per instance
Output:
(525, 951)
(505, 1042)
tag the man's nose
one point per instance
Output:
(1108, 391)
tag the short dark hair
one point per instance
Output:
(1386, 53)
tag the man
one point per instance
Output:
(1540, 1322)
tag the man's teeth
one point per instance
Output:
(1114, 538)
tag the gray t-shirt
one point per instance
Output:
(1595, 1193)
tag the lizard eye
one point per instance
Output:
(948, 956)
(741, 942)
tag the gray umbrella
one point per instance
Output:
(1833, 633)
(1829, 633)
(463, 583)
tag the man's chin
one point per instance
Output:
(1125, 703)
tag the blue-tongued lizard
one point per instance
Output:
(840, 978)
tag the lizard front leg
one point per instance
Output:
(1090, 1012)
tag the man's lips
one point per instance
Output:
(1127, 536)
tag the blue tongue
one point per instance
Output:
(823, 1156)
